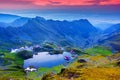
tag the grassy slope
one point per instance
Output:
(38, 75)
(97, 67)
(12, 68)
(98, 50)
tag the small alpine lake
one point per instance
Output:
(44, 59)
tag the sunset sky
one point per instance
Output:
(17, 4)
(94, 10)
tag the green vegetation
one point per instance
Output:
(97, 67)
(96, 63)
(78, 51)
(49, 45)
(24, 54)
(41, 71)
(52, 48)
(98, 50)
(75, 50)
(11, 67)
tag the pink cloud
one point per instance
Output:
(110, 2)
(75, 2)
(63, 2)
(45, 3)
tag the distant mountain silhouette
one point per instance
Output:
(111, 37)
(79, 33)
(7, 18)
(112, 29)
(16, 23)
(19, 22)
(103, 25)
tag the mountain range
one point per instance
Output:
(111, 37)
(103, 25)
(7, 18)
(78, 33)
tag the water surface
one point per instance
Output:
(43, 59)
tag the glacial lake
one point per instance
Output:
(44, 59)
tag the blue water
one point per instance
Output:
(43, 59)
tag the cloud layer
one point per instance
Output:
(45, 3)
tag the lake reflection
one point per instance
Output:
(43, 59)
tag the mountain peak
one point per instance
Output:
(39, 18)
